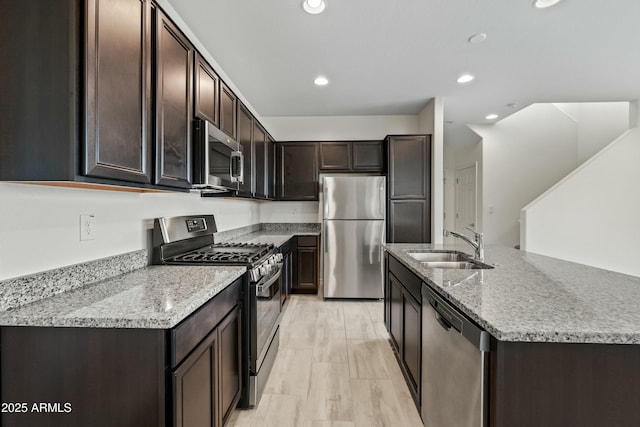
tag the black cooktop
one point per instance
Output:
(225, 254)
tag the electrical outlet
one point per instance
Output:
(87, 227)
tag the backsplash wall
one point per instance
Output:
(40, 225)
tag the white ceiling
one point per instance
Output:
(390, 57)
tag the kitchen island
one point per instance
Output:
(564, 337)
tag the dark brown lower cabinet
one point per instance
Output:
(186, 376)
(207, 384)
(405, 328)
(564, 384)
(305, 276)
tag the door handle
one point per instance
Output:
(443, 322)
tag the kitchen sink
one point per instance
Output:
(438, 256)
(449, 260)
(462, 265)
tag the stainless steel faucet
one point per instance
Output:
(477, 243)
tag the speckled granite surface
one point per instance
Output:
(151, 297)
(24, 290)
(271, 233)
(533, 298)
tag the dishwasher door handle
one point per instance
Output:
(443, 322)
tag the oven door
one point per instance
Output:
(267, 313)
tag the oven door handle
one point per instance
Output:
(265, 286)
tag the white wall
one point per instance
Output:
(466, 156)
(598, 124)
(327, 128)
(40, 227)
(522, 155)
(591, 216)
(528, 152)
(431, 121)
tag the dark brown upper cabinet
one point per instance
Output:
(271, 168)
(245, 138)
(90, 117)
(297, 170)
(260, 157)
(228, 106)
(409, 166)
(409, 189)
(351, 156)
(335, 155)
(206, 91)
(118, 92)
(174, 101)
(368, 155)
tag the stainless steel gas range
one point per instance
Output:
(189, 240)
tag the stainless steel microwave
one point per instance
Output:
(218, 159)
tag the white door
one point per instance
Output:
(466, 199)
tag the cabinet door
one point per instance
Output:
(271, 168)
(409, 167)
(118, 92)
(229, 369)
(368, 156)
(297, 171)
(194, 386)
(307, 266)
(206, 91)
(409, 221)
(228, 102)
(335, 155)
(395, 313)
(174, 102)
(245, 138)
(412, 342)
(259, 146)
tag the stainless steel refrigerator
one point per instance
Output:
(353, 234)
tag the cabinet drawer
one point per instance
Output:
(194, 328)
(307, 241)
(410, 281)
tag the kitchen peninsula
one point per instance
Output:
(564, 337)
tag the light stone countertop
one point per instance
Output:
(156, 297)
(277, 238)
(534, 298)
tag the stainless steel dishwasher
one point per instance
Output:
(454, 366)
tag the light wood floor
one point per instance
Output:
(335, 368)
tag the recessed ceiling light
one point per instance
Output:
(465, 78)
(491, 116)
(541, 4)
(477, 38)
(314, 7)
(321, 81)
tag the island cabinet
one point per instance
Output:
(131, 377)
(306, 262)
(409, 189)
(564, 384)
(403, 319)
(297, 171)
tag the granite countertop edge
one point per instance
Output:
(152, 297)
(521, 322)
